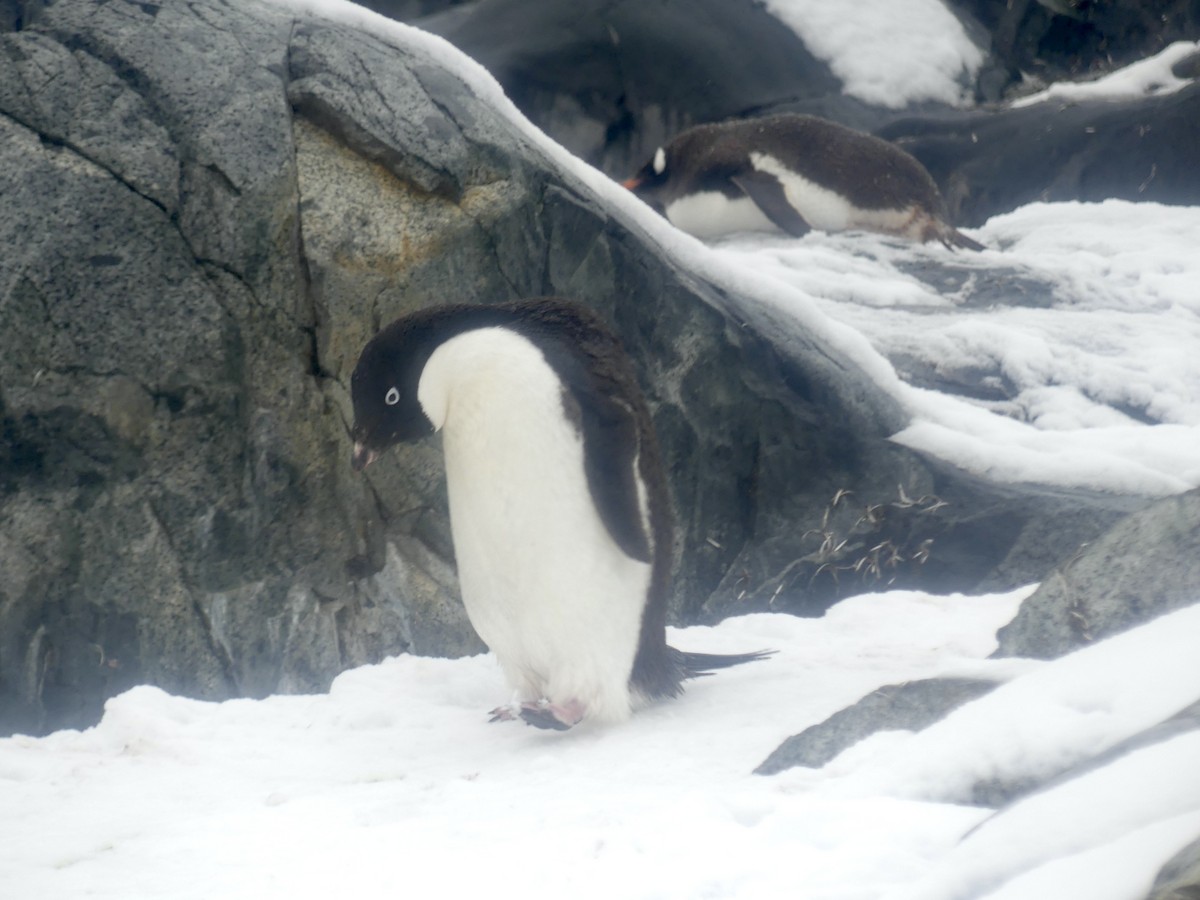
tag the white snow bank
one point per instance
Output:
(890, 53)
(1149, 77)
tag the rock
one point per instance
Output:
(1179, 879)
(1035, 842)
(896, 707)
(998, 792)
(176, 505)
(613, 81)
(209, 209)
(914, 706)
(1146, 565)
(991, 162)
(1056, 40)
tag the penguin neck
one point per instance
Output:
(479, 372)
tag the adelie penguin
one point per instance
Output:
(793, 173)
(559, 506)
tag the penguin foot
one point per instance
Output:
(541, 714)
(555, 716)
(507, 713)
(542, 717)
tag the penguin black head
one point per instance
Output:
(652, 176)
(384, 387)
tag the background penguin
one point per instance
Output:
(793, 173)
(558, 501)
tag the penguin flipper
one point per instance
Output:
(767, 193)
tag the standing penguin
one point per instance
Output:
(793, 173)
(558, 501)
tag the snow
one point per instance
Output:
(395, 780)
(891, 53)
(1080, 325)
(1146, 78)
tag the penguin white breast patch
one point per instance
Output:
(544, 584)
(825, 209)
(710, 214)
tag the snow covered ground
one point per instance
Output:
(1063, 354)
(395, 783)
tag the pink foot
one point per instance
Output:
(556, 716)
(508, 713)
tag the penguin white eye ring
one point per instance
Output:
(392, 397)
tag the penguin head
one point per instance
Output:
(652, 176)
(383, 388)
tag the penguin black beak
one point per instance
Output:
(362, 457)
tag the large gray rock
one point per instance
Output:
(1179, 879)
(991, 161)
(1146, 565)
(910, 706)
(207, 211)
(1055, 40)
(611, 81)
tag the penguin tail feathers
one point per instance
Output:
(954, 239)
(697, 665)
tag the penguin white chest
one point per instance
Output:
(828, 210)
(544, 584)
(711, 214)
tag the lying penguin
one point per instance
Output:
(558, 501)
(793, 173)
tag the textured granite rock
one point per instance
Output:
(896, 707)
(1146, 565)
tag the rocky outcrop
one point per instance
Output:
(1179, 879)
(1057, 40)
(1011, 757)
(1147, 565)
(1142, 568)
(612, 81)
(993, 161)
(208, 209)
(903, 707)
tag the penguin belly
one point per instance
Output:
(544, 584)
(827, 210)
(711, 214)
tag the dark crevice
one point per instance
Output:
(311, 306)
(315, 369)
(62, 143)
